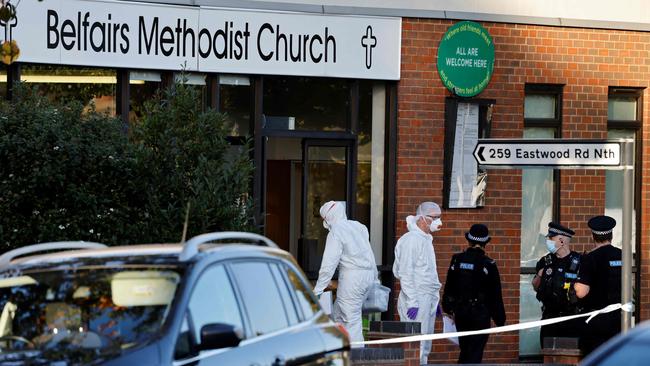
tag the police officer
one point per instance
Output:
(472, 293)
(556, 272)
(599, 284)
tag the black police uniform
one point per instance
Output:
(601, 271)
(473, 295)
(555, 293)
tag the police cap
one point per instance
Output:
(556, 229)
(478, 234)
(601, 225)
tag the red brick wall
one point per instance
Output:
(587, 62)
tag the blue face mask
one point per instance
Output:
(550, 245)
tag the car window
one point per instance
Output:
(304, 296)
(260, 296)
(213, 301)
(83, 312)
(292, 314)
(183, 347)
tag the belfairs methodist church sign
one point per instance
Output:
(466, 59)
(157, 36)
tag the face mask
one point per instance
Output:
(550, 245)
(435, 225)
(326, 225)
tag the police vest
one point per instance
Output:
(472, 274)
(557, 277)
(614, 282)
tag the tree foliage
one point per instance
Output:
(66, 174)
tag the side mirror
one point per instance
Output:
(218, 335)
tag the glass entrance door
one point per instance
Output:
(327, 175)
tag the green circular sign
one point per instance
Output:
(466, 58)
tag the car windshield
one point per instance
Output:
(83, 315)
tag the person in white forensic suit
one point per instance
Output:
(348, 248)
(415, 267)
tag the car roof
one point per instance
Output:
(165, 253)
(190, 251)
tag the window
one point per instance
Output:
(614, 193)
(287, 300)
(303, 103)
(256, 283)
(539, 204)
(540, 106)
(624, 120)
(236, 102)
(143, 87)
(305, 299)
(92, 87)
(213, 301)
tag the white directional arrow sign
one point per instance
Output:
(548, 152)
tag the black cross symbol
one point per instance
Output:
(9, 26)
(369, 42)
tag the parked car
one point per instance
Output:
(629, 349)
(167, 304)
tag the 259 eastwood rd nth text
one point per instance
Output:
(536, 153)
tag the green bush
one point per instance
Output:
(66, 174)
(184, 158)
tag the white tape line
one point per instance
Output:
(629, 307)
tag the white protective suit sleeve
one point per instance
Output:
(409, 253)
(331, 258)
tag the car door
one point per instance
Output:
(213, 300)
(276, 325)
(256, 304)
(335, 342)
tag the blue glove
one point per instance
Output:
(438, 311)
(412, 313)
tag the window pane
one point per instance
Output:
(621, 108)
(255, 282)
(213, 301)
(540, 106)
(302, 103)
(92, 87)
(536, 205)
(284, 294)
(614, 194)
(530, 310)
(235, 101)
(307, 302)
(364, 153)
(143, 87)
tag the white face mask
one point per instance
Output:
(435, 225)
(326, 225)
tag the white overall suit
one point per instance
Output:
(348, 248)
(415, 267)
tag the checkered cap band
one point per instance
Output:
(475, 238)
(558, 231)
(602, 232)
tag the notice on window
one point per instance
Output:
(467, 186)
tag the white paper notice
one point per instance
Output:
(325, 300)
(464, 169)
(449, 326)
